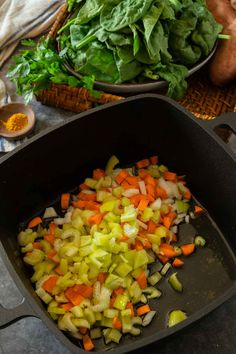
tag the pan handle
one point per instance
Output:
(226, 120)
(9, 316)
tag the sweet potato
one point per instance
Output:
(222, 11)
(223, 65)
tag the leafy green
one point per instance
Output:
(134, 40)
(36, 68)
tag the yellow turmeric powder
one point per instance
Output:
(16, 122)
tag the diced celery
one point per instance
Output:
(66, 226)
(70, 232)
(113, 281)
(112, 162)
(90, 182)
(36, 256)
(39, 271)
(121, 302)
(143, 299)
(137, 272)
(154, 171)
(61, 298)
(181, 206)
(110, 313)
(45, 246)
(77, 311)
(175, 283)
(152, 292)
(87, 250)
(112, 267)
(89, 315)
(68, 250)
(165, 268)
(81, 322)
(43, 295)
(164, 208)
(117, 192)
(130, 256)
(126, 312)
(93, 271)
(106, 334)
(140, 259)
(115, 335)
(126, 324)
(65, 323)
(175, 317)
(108, 206)
(161, 231)
(130, 214)
(27, 236)
(106, 322)
(124, 248)
(163, 168)
(77, 222)
(147, 214)
(107, 181)
(102, 195)
(199, 241)
(63, 265)
(154, 278)
(156, 216)
(125, 202)
(123, 269)
(135, 292)
(130, 230)
(85, 240)
(98, 316)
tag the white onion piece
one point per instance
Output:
(174, 229)
(142, 187)
(130, 192)
(148, 318)
(156, 204)
(142, 224)
(59, 221)
(49, 213)
(187, 219)
(88, 191)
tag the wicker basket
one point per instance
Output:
(202, 98)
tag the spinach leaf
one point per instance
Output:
(89, 10)
(128, 70)
(118, 14)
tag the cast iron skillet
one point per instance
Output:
(57, 160)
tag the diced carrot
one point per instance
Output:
(79, 204)
(168, 219)
(138, 245)
(126, 185)
(96, 219)
(83, 330)
(177, 262)
(37, 245)
(74, 296)
(151, 226)
(187, 194)
(87, 196)
(143, 173)
(123, 238)
(150, 180)
(98, 173)
(131, 307)
(34, 222)
(143, 163)
(84, 290)
(198, 209)
(52, 228)
(133, 181)
(142, 310)
(143, 204)
(187, 249)
(50, 239)
(53, 256)
(142, 280)
(121, 176)
(50, 283)
(112, 301)
(119, 291)
(66, 306)
(135, 199)
(116, 323)
(102, 277)
(147, 244)
(87, 343)
(161, 193)
(65, 200)
(167, 250)
(170, 176)
(83, 187)
(163, 259)
(151, 191)
(153, 160)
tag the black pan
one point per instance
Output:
(58, 160)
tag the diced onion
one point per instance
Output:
(142, 187)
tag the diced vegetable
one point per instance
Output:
(175, 317)
(92, 262)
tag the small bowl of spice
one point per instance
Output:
(16, 120)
